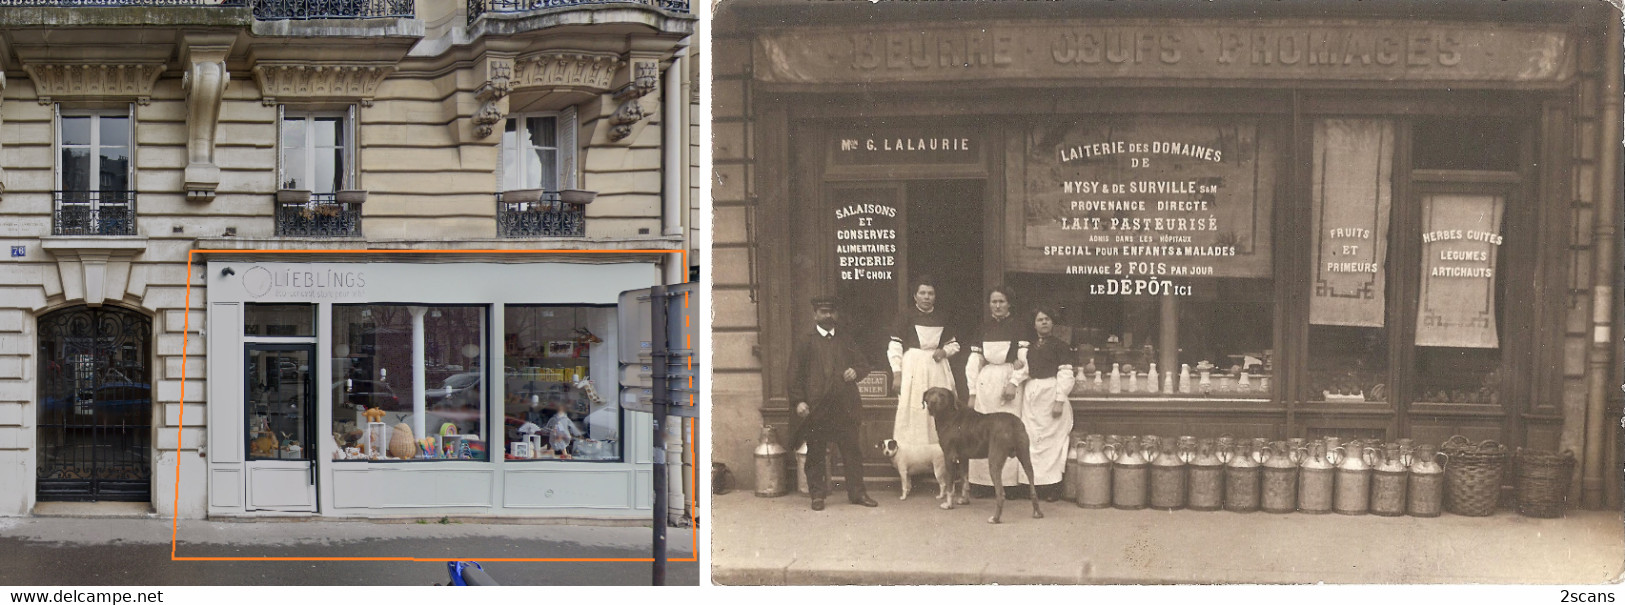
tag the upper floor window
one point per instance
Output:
(538, 152)
(94, 175)
(95, 152)
(317, 151)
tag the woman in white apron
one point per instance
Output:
(921, 343)
(1046, 408)
(994, 373)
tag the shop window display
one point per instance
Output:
(375, 415)
(555, 409)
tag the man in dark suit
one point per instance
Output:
(824, 372)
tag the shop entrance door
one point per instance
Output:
(95, 406)
(279, 397)
(943, 239)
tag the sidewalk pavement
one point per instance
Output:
(781, 540)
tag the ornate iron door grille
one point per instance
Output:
(95, 406)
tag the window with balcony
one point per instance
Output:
(94, 181)
(316, 172)
(536, 198)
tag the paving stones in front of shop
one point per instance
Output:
(776, 541)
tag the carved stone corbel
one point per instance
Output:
(490, 93)
(55, 81)
(204, 83)
(646, 74)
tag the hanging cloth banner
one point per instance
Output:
(1353, 189)
(1461, 235)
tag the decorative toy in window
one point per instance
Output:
(561, 431)
(374, 414)
(585, 385)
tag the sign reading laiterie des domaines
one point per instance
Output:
(1282, 49)
(1143, 205)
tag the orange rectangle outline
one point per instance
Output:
(181, 421)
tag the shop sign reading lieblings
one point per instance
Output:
(1351, 197)
(1142, 206)
(1461, 235)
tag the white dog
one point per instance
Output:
(914, 458)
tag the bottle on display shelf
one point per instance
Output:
(1184, 378)
(1151, 379)
(1116, 385)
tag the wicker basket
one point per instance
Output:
(1473, 476)
(1543, 482)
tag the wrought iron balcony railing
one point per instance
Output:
(93, 213)
(322, 216)
(119, 3)
(480, 7)
(544, 216)
(275, 10)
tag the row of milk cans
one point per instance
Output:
(1246, 475)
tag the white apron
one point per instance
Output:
(989, 390)
(1048, 434)
(920, 372)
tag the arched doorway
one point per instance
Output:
(95, 405)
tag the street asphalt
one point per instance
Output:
(51, 551)
(775, 541)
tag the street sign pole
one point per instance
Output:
(659, 400)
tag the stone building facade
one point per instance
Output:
(151, 146)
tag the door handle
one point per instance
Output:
(310, 473)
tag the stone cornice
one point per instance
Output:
(58, 81)
(282, 81)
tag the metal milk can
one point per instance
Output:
(1281, 479)
(1316, 479)
(771, 481)
(1129, 473)
(1242, 476)
(1354, 480)
(801, 469)
(1426, 485)
(1094, 474)
(1168, 480)
(1206, 477)
(1388, 480)
(1069, 477)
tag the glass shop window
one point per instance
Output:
(1214, 341)
(260, 319)
(377, 414)
(558, 406)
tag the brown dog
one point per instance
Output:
(968, 434)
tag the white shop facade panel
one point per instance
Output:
(406, 389)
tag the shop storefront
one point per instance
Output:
(1373, 228)
(386, 387)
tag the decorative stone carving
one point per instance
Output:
(489, 94)
(56, 81)
(325, 81)
(646, 74)
(205, 83)
(585, 71)
(94, 268)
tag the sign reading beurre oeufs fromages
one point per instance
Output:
(1282, 49)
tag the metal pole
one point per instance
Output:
(658, 400)
(1607, 232)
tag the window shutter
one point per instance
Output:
(352, 148)
(56, 141)
(567, 146)
(281, 176)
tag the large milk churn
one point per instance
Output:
(1168, 476)
(1094, 474)
(771, 481)
(801, 469)
(1354, 480)
(1388, 480)
(1426, 486)
(1281, 479)
(1242, 476)
(1069, 477)
(1316, 479)
(1129, 481)
(1207, 477)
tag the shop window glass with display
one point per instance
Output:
(376, 413)
(556, 407)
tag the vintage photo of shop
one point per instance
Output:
(1247, 258)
